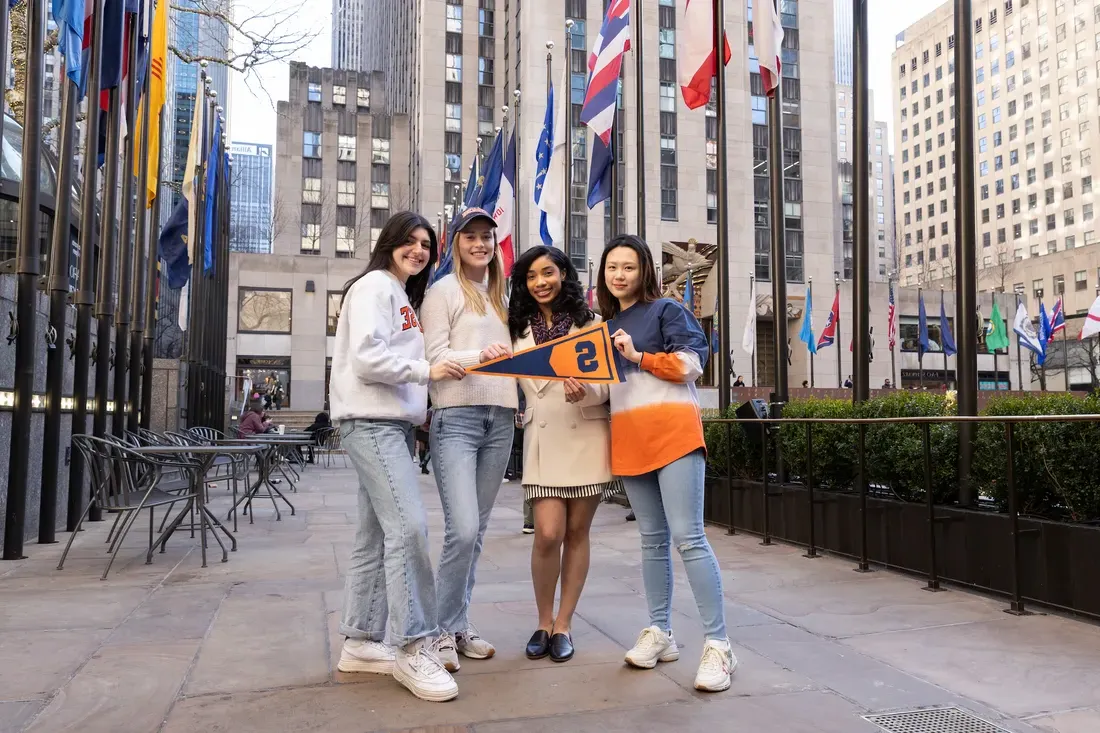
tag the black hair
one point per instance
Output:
(650, 290)
(396, 233)
(522, 307)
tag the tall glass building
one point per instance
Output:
(250, 224)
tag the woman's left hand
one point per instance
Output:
(625, 344)
(574, 391)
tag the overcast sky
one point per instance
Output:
(253, 113)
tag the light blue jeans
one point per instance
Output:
(668, 504)
(470, 451)
(389, 574)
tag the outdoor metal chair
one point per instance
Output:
(124, 483)
(331, 447)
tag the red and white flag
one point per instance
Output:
(1091, 326)
(892, 319)
(506, 204)
(768, 40)
(696, 52)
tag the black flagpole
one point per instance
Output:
(725, 367)
(639, 123)
(142, 250)
(861, 306)
(778, 243)
(84, 298)
(27, 257)
(152, 288)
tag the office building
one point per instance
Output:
(340, 171)
(250, 222)
(1035, 128)
(881, 186)
(845, 44)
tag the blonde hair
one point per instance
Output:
(475, 301)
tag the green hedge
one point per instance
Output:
(1057, 465)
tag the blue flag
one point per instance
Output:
(69, 17)
(923, 323)
(599, 177)
(807, 333)
(210, 198)
(689, 293)
(945, 333)
(542, 162)
(470, 193)
(492, 170)
(173, 247)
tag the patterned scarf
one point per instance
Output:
(560, 326)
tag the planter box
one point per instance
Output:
(1059, 562)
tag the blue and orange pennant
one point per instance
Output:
(586, 355)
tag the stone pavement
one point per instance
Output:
(251, 645)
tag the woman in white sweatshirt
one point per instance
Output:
(473, 421)
(379, 394)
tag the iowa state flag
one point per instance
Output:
(586, 356)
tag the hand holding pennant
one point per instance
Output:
(586, 355)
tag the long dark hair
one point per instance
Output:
(395, 234)
(650, 290)
(522, 307)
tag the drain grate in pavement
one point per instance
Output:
(933, 720)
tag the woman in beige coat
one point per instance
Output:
(566, 445)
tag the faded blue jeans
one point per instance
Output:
(470, 451)
(668, 504)
(389, 574)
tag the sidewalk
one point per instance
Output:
(250, 645)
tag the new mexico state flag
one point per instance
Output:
(587, 356)
(158, 64)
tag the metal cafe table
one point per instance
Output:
(267, 460)
(204, 457)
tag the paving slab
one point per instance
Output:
(1075, 721)
(37, 663)
(17, 715)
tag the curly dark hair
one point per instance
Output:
(522, 307)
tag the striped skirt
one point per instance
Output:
(604, 491)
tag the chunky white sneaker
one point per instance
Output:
(363, 655)
(470, 644)
(716, 667)
(653, 646)
(418, 668)
(445, 649)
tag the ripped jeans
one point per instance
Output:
(668, 504)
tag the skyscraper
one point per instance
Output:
(250, 224)
(845, 44)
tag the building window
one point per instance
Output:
(1081, 280)
(380, 151)
(380, 195)
(335, 300)
(485, 71)
(311, 190)
(1059, 284)
(345, 149)
(345, 246)
(339, 94)
(454, 67)
(345, 193)
(263, 310)
(314, 92)
(311, 144)
(454, 18)
(453, 120)
(668, 186)
(362, 98)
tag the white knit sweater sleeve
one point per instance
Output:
(443, 302)
(371, 320)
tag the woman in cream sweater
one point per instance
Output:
(566, 445)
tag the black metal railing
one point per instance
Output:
(980, 547)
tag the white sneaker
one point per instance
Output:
(471, 645)
(716, 667)
(445, 649)
(419, 670)
(653, 646)
(363, 655)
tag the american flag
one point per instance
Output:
(600, 101)
(892, 319)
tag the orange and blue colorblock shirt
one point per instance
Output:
(655, 414)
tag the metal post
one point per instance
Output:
(767, 489)
(965, 256)
(567, 110)
(839, 368)
(811, 552)
(58, 285)
(144, 250)
(85, 293)
(729, 475)
(864, 566)
(725, 367)
(193, 354)
(920, 349)
(126, 238)
(933, 573)
(614, 205)
(752, 291)
(639, 148)
(1016, 608)
(105, 302)
(893, 364)
(519, 200)
(810, 285)
(779, 247)
(1065, 350)
(943, 346)
(861, 305)
(152, 290)
(28, 254)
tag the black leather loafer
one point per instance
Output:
(539, 645)
(561, 648)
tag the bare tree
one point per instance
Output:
(276, 223)
(361, 228)
(315, 219)
(999, 273)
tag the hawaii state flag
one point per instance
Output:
(768, 40)
(506, 205)
(696, 52)
(892, 319)
(1057, 320)
(828, 334)
(601, 97)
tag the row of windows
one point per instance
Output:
(339, 95)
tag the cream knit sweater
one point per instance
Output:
(453, 332)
